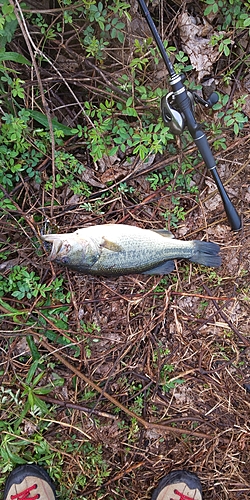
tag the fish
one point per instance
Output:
(120, 249)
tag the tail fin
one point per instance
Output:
(206, 253)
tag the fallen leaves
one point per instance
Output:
(196, 43)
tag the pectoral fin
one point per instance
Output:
(110, 245)
(165, 268)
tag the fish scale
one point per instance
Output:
(119, 249)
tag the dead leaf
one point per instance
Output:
(88, 176)
(196, 43)
(113, 174)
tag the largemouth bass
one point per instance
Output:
(118, 249)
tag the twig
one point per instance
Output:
(118, 476)
(74, 406)
(29, 42)
(147, 425)
(19, 210)
(224, 317)
(41, 54)
(186, 294)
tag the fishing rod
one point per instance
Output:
(177, 112)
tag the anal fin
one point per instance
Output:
(165, 268)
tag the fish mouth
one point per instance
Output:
(56, 241)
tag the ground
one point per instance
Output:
(110, 383)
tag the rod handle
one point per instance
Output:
(232, 214)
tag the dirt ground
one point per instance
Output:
(162, 379)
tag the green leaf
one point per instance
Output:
(32, 371)
(236, 128)
(130, 112)
(212, 8)
(13, 56)
(7, 9)
(31, 399)
(42, 119)
(41, 404)
(129, 101)
(38, 378)
(33, 348)
(229, 121)
(120, 26)
(113, 151)
(43, 390)
(6, 306)
(15, 459)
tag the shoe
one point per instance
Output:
(29, 482)
(178, 485)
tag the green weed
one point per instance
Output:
(234, 13)
(182, 177)
(233, 117)
(21, 283)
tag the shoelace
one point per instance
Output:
(24, 495)
(182, 496)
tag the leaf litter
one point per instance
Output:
(135, 336)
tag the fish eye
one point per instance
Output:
(64, 260)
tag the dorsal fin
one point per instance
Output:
(164, 232)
